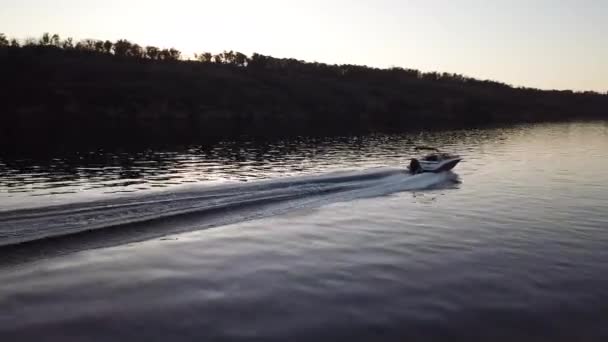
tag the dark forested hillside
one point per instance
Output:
(58, 91)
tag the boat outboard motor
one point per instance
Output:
(415, 166)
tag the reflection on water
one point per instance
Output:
(517, 252)
(101, 172)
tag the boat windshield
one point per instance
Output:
(437, 156)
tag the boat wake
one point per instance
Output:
(140, 217)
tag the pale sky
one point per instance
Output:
(549, 44)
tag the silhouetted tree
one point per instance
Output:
(107, 46)
(99, 46)
(15, 43)
(45, 40)
(175, 54)
(208, 57)
(30, 41)
(85, 45)
(80, 46)
(169, 54)
(164, 55)
(122, 48)
(240, 59)
(3, 40)
(136, 51)
(56, 40)
(258, 61)
(407, 73)
(152, 52)
(431, 76)
(68, 43)
(205, 57)
(228, 57)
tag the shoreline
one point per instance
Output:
(57, 95)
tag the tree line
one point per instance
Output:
(54, 89)
(124, 48)
(121, 48)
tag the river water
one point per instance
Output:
(312, 239)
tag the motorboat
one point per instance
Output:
(434, 162)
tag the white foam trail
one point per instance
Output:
(229, 203)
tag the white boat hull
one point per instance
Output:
(439, 166)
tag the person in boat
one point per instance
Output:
(415, 166)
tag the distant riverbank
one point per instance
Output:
(55, 91)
